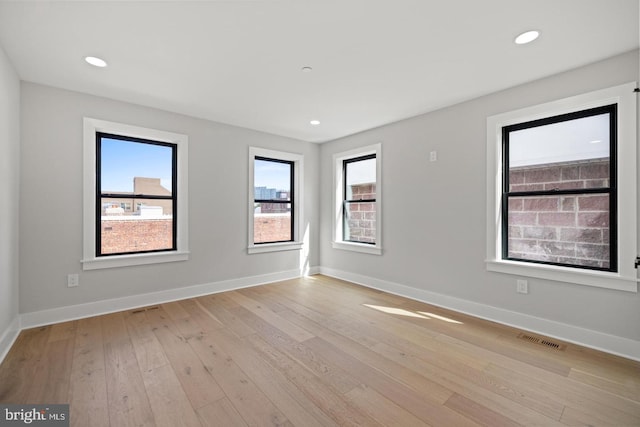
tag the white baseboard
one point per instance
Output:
(73, 312)
(585, 337)
(8, 337)
(588, 338)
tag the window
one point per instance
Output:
(357, 219)
(275, 200)
(559, 190)
(144, 172)
(562, 190)
(135, 191)
(359, 200)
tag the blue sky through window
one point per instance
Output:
(121, 161)
(272, 175)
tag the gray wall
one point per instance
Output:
(434, 213)
(9, 191)
(51, 202)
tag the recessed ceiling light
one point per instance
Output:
(96, 62)
(314, 122)
(527, 37)
(307, 69)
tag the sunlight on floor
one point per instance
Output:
(418, 314)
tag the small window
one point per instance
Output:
(275, 200)
(135, 195)
(357, 222)
(273, 186)
(559, 190)
(359, 200)
(142, 172)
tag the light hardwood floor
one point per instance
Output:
(311, 352)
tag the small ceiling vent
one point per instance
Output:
(541, 341)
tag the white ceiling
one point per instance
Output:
(374, 62)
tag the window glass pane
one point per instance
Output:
(361, 179)
(570, 154)
(135, 225)
(360, 222)
(563, 229)
(135, 167)
(272, 180)
(272, 222)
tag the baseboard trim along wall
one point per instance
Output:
(80, 311)
(9, 337)
(588, 338)
(585, 337)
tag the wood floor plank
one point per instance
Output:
(382, 409)
(282, 392)
(50, 383)
(422, 406)
(126, 394)
(149, 351)
(20, 365)
(198, 383)
(328, 399)
(313, 351)
(252, 404)
(88, 385)
(221, 413)
(631, 390)
(169, 403)
(482, 415)
(372, 360)
(220, 307)
(271, 317)
(334, 374)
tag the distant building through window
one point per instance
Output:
(134, 214)
(273, 199)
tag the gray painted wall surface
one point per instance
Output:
(9, 190)
(51, 202)
(434, 213)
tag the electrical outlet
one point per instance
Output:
(433, 156)
(522, 287)
(73, 280)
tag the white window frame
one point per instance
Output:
(625, 278)
(90, 261)
(338, 186)
(296, 208)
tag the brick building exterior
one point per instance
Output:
(361, 218)
(571, 229)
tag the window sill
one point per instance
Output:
(274, 247)
(598, 279)
(358, 247)
(132, 260)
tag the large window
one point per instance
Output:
(275, 200)
(135, 172)
(135, 195)
(357, 219)
(562, 190)
(559, 190)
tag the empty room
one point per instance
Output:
(319, 213)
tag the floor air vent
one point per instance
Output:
(541, 341)
(142, 310)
